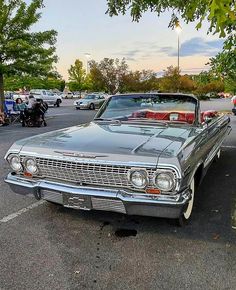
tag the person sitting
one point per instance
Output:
(2, 118)
(21, 107)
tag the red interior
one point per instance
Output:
(186, 117)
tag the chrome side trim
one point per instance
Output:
(215, 149)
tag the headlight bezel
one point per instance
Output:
(168, 173)
(9, 159)
(26, 167)
(140, 171)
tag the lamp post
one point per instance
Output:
(87, 55)
(178, 30)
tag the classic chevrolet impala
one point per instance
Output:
(143, 154)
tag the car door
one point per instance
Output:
(212, 136)
(96, 101)
(99, 101)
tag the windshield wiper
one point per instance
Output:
(148, 121)
(108, 120)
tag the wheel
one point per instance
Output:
(77, 108)
(58, 103)
(186, 215)
(92, 107)
(45, 124)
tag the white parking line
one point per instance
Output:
(21, 211)
(231, 147)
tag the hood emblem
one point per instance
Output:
(79, 155)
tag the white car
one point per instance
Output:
(24, 98)
(47, 96)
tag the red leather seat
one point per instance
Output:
(187, 117)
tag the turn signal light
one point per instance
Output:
(27, 174)
(153, 191)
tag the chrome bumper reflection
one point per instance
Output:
(114, 200)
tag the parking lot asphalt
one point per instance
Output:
(45, 246)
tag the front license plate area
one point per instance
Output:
(77, 201)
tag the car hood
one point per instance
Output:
(109, 142)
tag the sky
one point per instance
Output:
(83, 27)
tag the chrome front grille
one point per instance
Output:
(108, 204)
(87, 173)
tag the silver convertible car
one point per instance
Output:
(143, 154)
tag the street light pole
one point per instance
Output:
(178, 52)
(87, 55)
(178, 30)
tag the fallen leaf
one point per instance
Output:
(215, 210)
(216, 237)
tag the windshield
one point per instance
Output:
(158, 107)
(89, 97)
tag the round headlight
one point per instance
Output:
(138, 178)
(15, 163)
(165, 181)
(31, 166)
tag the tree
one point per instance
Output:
(223, 64)
(23, 52)
(15, 83)
(220, 13)
(186, 84)
(109, 74)
(213, 88)
(170, 81)
(96, 77)
(140, 81)
(77, 76)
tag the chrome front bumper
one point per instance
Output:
(88, 198)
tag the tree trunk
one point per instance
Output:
(2, 97)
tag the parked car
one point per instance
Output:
(143, 154)
(233, 100)
(47, 96)
(90, 101)
(70, 95)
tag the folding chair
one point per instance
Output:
(14, 116)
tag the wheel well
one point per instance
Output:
(198, 175)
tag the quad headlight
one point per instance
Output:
(15, 163)
(138, 178)
(165, 181)
(31, 165)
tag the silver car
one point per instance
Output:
(143, 154)
(91, 101)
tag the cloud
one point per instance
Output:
(129, 53)
(198, 46)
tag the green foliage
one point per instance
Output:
(224, 64)
(77, 76)
(212, 89)
(170, 81)
(21, 51)
(108, 75)
(140, 81)
(15, 83)
(220, 13)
